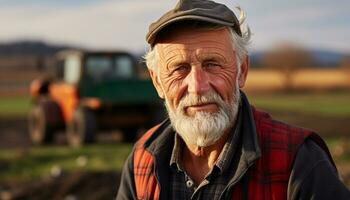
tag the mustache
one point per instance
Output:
(192, 99)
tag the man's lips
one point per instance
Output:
(206, 107)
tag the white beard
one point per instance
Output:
(204, 128)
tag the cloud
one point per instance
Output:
(311, 26)
(112, 24)
(122, 24)
(331, 38)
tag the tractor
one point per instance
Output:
(92, 91)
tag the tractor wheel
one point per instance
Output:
(82, 128)
(43, 120)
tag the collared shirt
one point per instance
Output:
(181, 186)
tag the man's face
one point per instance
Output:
(198, 77)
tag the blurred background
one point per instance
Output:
(300, 73)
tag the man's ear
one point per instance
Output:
(156, 83)
(244, 72)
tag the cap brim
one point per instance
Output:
(151, 36)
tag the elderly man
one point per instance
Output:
(215, 145)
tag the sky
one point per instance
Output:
(123, 24)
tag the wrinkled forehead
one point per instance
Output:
(197, 45)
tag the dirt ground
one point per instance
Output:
(74, 186)
(87, 186)
(13, 133)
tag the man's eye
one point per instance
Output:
(181, 68)
(211, 64)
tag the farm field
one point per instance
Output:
(14, 106)
(66, 169)
(326, 113)
(335, 104)
(311, 79)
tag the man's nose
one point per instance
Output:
(198, 82)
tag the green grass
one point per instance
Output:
(39, 161)
(14, 106)
(327, 104)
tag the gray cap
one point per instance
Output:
(194, 10)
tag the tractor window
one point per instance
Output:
(98, 67)
(123, 67)
(59, 69)
(72, 69)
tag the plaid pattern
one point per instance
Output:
(266, 179)
(145, 181)
(279, 142)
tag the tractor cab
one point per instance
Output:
(91, 91)
(75, 66)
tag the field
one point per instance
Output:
(36, 162)
(331, 105)
(311, 79)
(22, 164)
(15, 106)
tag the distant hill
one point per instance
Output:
(323, 58)
(28, 55)
(29, 48)
(256, 59)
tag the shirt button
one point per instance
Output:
(189, 183)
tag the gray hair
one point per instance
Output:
(240, 43)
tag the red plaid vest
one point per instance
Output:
(266, 179)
